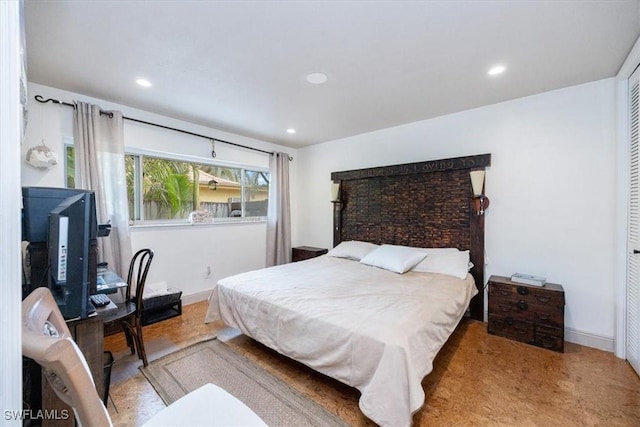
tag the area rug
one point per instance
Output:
(212, 361)
(126, 364)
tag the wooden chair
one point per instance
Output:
(47, 340)
(132, 324)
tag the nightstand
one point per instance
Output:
(306, 252)
(526, 313)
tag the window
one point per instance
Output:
(163, 189)
(70, 166)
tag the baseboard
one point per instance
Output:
(194, 298)
(584, 338)
(589, 340)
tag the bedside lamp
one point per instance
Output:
(480, 201)
(335, 192)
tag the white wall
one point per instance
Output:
(183, 254)
(551, 186)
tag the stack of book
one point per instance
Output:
(528, 279)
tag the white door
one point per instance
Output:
(633, 246)
(10, 275)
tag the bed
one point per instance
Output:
(365, 325)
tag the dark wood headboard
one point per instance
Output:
(425, 204)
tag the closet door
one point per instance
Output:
(633, 246)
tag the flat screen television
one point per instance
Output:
(72, 228)
(37, 204)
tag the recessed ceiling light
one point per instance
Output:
(291, 131)
(317, 78)
(143, 82)
(495, 70)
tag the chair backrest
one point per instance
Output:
(138, 270)
(47, 340)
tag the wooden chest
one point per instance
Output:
(306, 252)
(531, 314)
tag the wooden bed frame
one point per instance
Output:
(425, 204)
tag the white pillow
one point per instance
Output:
(453, 263)
(352, 249)
(394, 258)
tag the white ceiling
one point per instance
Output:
(240, 66)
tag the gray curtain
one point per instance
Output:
(99, 166)
(279, 212)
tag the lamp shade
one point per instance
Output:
(335, 191)
(477, 182)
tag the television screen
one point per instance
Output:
(72, 235)
(37, 202)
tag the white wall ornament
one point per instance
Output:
(41, 157)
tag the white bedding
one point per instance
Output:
(370, 328)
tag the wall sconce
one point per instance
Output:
(213, 184)
(480, 201)
(335, 192)
(336, 200)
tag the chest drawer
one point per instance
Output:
(553, 341)
(523, 309)
(509, 327)
(541, 296)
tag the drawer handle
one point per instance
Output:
(504, 307)
(521, 329)
(543, 316)
(505, 293)
(543, 299)
(523, 290)
(498, 324)
(522, 305)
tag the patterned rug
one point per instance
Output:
(126, 364)
(212, 361)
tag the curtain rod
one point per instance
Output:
(41, 99)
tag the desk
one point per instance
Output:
(123, 309)
(89, 336)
